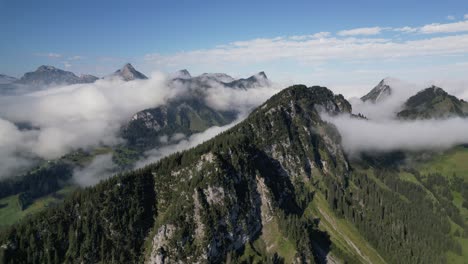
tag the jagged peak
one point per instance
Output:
(129, 73)
(390, 80)
(261, 75)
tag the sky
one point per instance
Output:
(346, 44)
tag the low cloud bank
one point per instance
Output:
(50, 123)
(369, 135)
(387, 108)
(102, 167)
(156, 154)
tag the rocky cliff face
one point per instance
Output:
(379, 92)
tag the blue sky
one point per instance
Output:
(99, 36)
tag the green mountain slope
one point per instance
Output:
(187, 116)
(276, 187)
(433, 103)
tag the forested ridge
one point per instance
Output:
(235, 196)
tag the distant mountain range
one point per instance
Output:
(430, 103)
(48, 76)
(212, 79)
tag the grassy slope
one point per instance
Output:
(10, 213)
(452, 162)
(347, 243)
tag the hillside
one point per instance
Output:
(152, 127)
(275, 187)
(433, 103)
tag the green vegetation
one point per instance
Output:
(433, 102)
(108, 223)
(348, 243)
(11, 213)
(445, 174)
(185, 116)
(274, 188)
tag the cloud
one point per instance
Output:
(461, 26)
(69, 117)
(75, 116)
(49, 55)
(450, 17)
(66, 64)
(465, 16)
(312, 50)
(76, 57)
(14, 146)
(318, 35)
(406, 29)
(370, 135)
(361, 31)
(156, 154)
(102, 167)
(239, 100)
(388, 107)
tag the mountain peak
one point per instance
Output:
(129, 73)
(433, 102)
(262, 75)
(43, 68)
(323, 99)
(128, 66)
(219, 77)
(181, 74)
(379, 92)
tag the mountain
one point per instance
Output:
(148, 128)
(219, 77)
(182, 74)
(5, 79)
(128, 73)
(257, 80)
(242, 175)
(88, 78)
(277, 187)
(433, 103)
(49, 75)
(207, 80)
(186, 115)
(379, 92)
